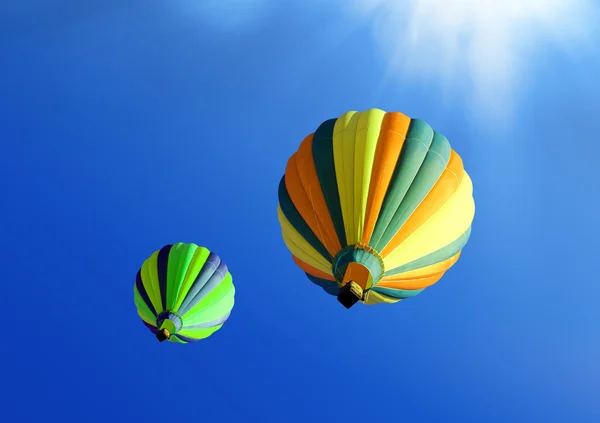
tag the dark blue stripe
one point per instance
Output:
(152, 328)
(161, 269)
(140, 287)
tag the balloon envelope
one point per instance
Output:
(184, 293)
(378, 199)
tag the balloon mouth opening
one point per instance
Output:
(360, 264)
(163, 335)
(350, 294)
(168, 323)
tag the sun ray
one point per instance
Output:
(481, 47)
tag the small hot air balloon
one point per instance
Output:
(183, 293)
(375, 207)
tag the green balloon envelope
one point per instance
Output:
(184, 293)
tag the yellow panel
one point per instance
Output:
(300, 247)
(444, 227)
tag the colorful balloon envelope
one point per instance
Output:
(184, 293)
(375, 206)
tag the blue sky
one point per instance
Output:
(118, 116)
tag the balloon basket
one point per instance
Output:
(350, 294)
(163, 335)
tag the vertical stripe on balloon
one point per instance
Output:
(305, 192)
(323, 155)
(429, 172)
(365, 144)
(445, 186)
(344, 134)
(309, 178)
(295, 219)
(201, 286)
(414, 151)
(143, 294)
(162, 262)
(391, 139)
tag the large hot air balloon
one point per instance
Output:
(375, 206)
(183, 293)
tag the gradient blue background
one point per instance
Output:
(117, 119)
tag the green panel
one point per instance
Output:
(180, 257)
(322, 150)
(414, 151)
(200, 254)
(141, 305)
(293, 216)
(429, 173)
(220, 292)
